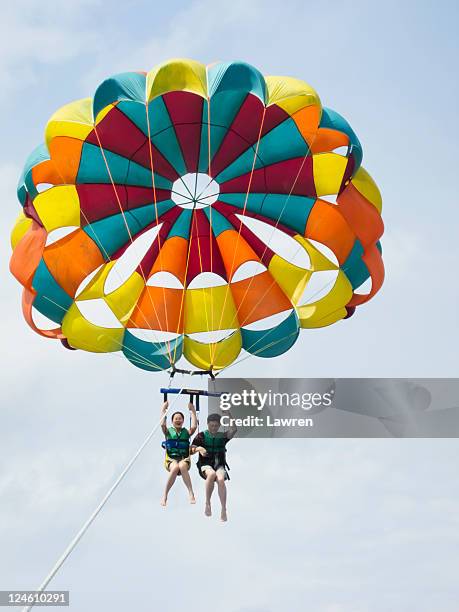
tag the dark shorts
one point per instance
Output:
(202, 468)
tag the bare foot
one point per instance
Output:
(208, 510)
(164, 501)
(224, 516)
(192, 498)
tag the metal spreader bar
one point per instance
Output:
(194, 394)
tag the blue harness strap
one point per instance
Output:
(175, 444)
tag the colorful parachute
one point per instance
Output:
(195, 211)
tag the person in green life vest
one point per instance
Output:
(177, 445)
(212, 465)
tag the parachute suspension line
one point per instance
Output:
(203, 289)
(195, 182)
(212, 345)
(243, 214)
(129, 232)
(269, 345)
(158, 237)
(182, 299)
(213, 375)
(324, 286)
(247, 289)
(88, 222)
(208, 125)
(203, 188)
(253, 165)
(198, 413)
(151, 160)
(60, 562)
(113, 184)
(127, 225)
(255, 353)
(196, 405)
(294, 255)
(106, 255)
(140, 358)
(309, 147)
(141, 312)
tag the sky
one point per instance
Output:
(327, 525)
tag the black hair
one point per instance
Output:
(178, 412)
(214, 417)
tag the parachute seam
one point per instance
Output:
(150, 145)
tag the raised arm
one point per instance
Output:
(194, 418)
(232, 428)
(164, 409)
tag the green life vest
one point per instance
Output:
(216, 451)
(177, 443)
(215, 444)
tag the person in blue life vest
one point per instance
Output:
(177, 445)
(212, 465)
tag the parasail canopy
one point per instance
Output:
(195, 212)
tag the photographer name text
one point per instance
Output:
(268, 421)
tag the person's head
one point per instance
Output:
(213, 423)
(178, 419)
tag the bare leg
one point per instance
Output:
(173, 471)
(210, 482)
(185, 472)
(222, 493)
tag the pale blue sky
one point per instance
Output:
(331, 526)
